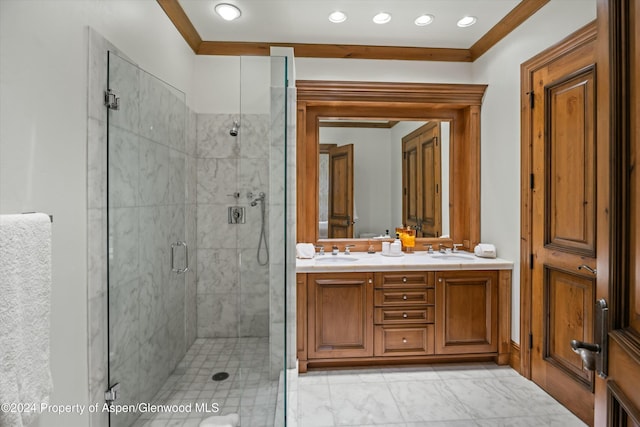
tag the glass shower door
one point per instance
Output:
(148, 251)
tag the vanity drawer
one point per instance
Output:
(391, 316)
(410, 279)
(401, 297)
(403, 340)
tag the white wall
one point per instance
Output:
(43, 139)
(230, 84)
(382, 71)
(500, 152)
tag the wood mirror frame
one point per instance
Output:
(458, 103)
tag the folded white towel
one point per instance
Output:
(485, 250)
(305, 250)
(25, 289)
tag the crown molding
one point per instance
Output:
(519, 14)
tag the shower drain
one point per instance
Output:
(220, 376)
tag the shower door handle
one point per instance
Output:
(186, 257)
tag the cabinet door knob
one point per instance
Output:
(404, 297)
(404, 280)
(404, 340)
(405, 315)
(440, 280)
(370, 281)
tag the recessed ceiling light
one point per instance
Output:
(423, 20)
(337, 17)
(382, 18)
(227, 11)
(467, 21)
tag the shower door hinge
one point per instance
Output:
(112, 393)
(111, 100)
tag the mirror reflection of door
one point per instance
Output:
(341, 218)
(335, 192)
(422, 180)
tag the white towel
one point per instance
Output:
(25, 293)
(305, 250)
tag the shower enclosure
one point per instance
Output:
(196, 296)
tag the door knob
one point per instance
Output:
(594, 355)
(589, 269)
(587, 352)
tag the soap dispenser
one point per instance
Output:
(396, 247)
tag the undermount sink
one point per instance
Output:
(453, 257)
(335, 259)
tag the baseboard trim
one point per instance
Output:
(514, 362)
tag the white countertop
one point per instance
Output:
(416, 261)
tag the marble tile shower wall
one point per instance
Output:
(152, 203)
(233, 289)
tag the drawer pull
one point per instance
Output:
(405, 315)
(404, 340)
(404, 280)
(370, 281)
(404, 297)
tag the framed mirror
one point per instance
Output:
(457, 105)
(398, 175)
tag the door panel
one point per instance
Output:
(421, 181)
(570, 118)
(340, 315)
(563, 226)
(410, 182)
(341, 192)
(565, 289)
(431, 177)
(466, 312)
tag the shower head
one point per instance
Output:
(234, 128)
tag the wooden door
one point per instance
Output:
(411, 192)
(341, 192)
(430, 177)
(340, 315)
(563, 226)
(466, 312)
(618, 395)
(421, 180)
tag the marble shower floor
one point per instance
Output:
(248, 391)
(458, 395)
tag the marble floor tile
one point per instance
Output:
(454, 395)
(361, 404)
(427, 401)
(314, 406)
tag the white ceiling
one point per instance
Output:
(305, 21)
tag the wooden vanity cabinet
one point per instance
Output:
(404, 314)
(339, 315)
(466, 312)
(360, 319)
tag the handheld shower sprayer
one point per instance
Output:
(234, 128)
(263, 234)
(260, 198)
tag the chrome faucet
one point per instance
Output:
(442, 248)
(334, 250)
(347, 249)
(429, 247)
(456, 246)
(321, 251)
